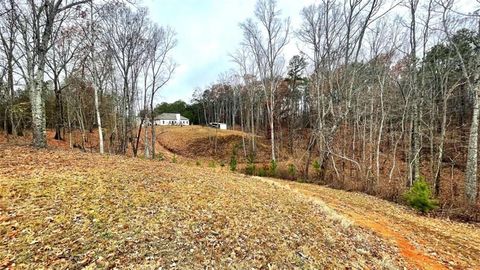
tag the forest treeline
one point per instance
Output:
(82, 65)
(380, 93)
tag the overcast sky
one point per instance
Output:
(207, 31)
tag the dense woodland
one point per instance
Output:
(380, 94)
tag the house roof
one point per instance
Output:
(169, 116)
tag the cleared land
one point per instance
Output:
(206, 143)
(64, 209)
(425, 243)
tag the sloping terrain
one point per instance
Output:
(62, 209)
(427, 243)
(204, 142)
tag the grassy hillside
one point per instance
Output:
(62, 209)
(199, 142)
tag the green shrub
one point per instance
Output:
(292, 171)
(262, 172)
(250, 169)
(233, 164)
(160, 156)
(316, 167)
(273, 168)
(211, 164)
(198, 163)
(174, 159)
(419, 196)
(251, 157)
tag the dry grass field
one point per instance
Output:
(204, 142)
(62, 209)
(67, 209)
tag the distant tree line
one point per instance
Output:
(190, 111)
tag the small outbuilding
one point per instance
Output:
(171, 119)
(218, 125)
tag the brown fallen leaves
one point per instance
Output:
(61, 209)
(425, 243)
(199, 142)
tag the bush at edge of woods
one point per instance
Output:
(420, 197)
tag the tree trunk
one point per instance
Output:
(471, 170)
(438, 165)
(379, 139)
(415, 148)
(272, 134)
(38, 111)
(146, 143)
(137, 141)
(58, 114)
(99, 122)
(311, 146)
(153, 136)
(5, 123)
(11, 91)
(414, 162)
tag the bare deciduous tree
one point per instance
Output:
(266, 39)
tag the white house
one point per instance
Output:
(168, 119)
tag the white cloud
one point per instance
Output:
(207, 32)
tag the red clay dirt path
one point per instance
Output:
(425, 243)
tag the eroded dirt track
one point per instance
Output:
(425, 243)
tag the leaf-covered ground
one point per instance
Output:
(64, 209)
(197, 142)
(61, 209)
(424, 243)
